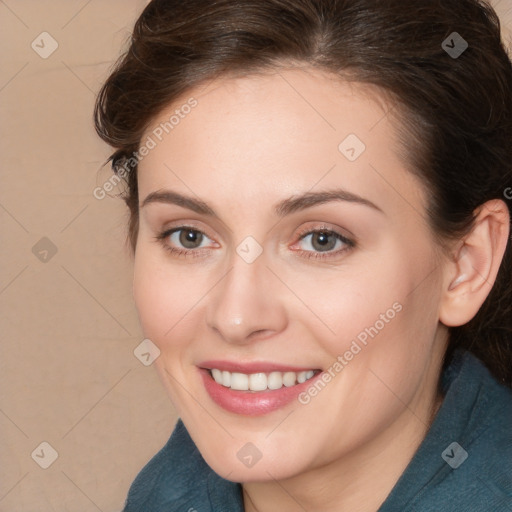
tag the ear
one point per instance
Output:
(471, 274)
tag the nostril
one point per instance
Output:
(262, 333)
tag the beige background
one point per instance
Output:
(68, 374)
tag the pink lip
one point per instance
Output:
(252, 403)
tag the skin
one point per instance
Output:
(250, 143)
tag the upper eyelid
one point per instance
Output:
(325, 226)
(189, 225)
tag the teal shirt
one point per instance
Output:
(464, 464)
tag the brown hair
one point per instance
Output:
(456, 110)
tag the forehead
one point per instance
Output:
(274, 135)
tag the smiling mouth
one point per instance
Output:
(260, 381)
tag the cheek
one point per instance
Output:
(340, 305)
(387, 304)
(167, 298)
(167, 303)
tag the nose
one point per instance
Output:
(245, 305)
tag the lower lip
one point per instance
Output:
(252, 403)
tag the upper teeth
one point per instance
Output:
(260, 381)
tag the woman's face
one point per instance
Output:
(245, 272)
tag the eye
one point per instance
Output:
(184, 240)
(323, 243)
(187, 237)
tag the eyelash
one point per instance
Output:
(194, 253)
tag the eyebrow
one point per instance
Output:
(281, 209)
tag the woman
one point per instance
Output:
(320, 227)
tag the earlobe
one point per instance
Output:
(472, 273)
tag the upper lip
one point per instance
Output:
(252, 367)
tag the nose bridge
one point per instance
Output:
(245, 301)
